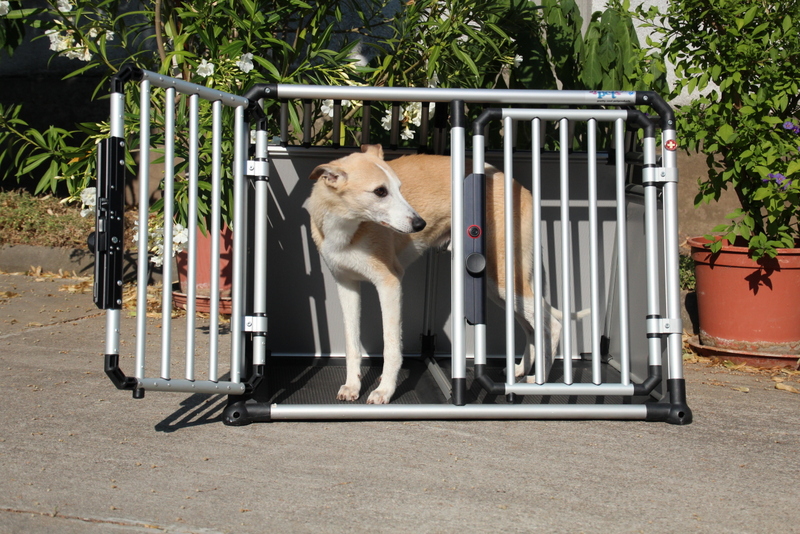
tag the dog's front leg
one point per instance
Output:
(390, 296)
(350, 299)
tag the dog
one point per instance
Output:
(371, 218)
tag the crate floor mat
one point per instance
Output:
(305, 380)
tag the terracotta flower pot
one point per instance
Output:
(204, 274)
(748, 306)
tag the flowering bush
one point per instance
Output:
(740, 62)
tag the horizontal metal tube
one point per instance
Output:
(188, 88)
(191, 386)
(570, 389)
(429, 94)
(602, 115)
(321, 412)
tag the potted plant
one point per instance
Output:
(739, 61)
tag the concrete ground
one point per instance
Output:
(77, 455)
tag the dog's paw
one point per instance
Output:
(379, 397)
(347, 393)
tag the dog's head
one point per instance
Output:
(362, 186)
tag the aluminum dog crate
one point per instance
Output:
(601, 243)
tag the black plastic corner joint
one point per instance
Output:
(241, 412)
(256, 93)
(653, 379)
(116, 375)
(125, 74)
(641, 120)
(487, 115)
(659, 105)
(676, 412)
(491, 387)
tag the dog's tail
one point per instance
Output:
(576, 316)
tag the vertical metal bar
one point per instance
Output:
(306, 123)
(260, 247)
(191, 227)
(424, 126)
(566, 267)
(284, 123)
(215, 232)
(337, 123)
(594, 267)
(239, 247)
(538, 263)
(169, 200)
(431, 283)
(671, 258)
(508, 205)
(394, 134)
(622, 252)
(457, 162)
(143, 258)
(652, 242)
(479, 330)
(117, 129)
(366, 120)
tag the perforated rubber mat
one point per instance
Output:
(317, 380)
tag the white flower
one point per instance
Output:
(205, 69)
(88, 201)
(58, 41)
(517, 60)
(327, 107)
(64, 6)
(5, 7)
(245, 63)
(406, 133)
(155, 239)
(64, 43)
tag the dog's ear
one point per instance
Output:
(375, 150)
(333, 176)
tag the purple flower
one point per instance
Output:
(788, 125)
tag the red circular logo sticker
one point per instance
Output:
(671, 144)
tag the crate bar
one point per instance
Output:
(538, 264)
(622, 252)
(216, 195)
(314, 412)
(429, 94)
(479, 330)
(192, 386)
(508, 221)
(594, 254)
(566, 252)
(191, 290)
(188, 88)
(239, 246)
(169, 199)
(457, 162)
(671, 267)
(143, 258)
(651, 190)
(260, 248)
(113, 315)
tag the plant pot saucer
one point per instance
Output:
(756, 359)
(202, 304)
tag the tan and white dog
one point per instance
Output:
(366, 229)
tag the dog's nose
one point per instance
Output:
(418, 224)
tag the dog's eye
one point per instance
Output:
(381, 192)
